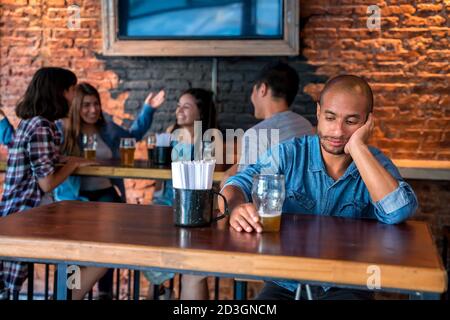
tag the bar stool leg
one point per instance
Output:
(129, 284)
(55, 282)
(61, 291)
(216, 288)
(445, 246)
(240, 290)
(136, 285)
(155, 292)
(298, 292)
(47, 276)
(180, 276)
(30, 291)
(171, 286)
(308, 292)
(118, 284)
(15, 295)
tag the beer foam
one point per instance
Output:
(269, 214)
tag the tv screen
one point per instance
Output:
(200, 19)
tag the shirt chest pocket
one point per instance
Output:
(352, 209)
(300, 201)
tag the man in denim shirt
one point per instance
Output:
(333, 173)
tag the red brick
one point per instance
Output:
(429, 7)
(396, 10)
(385, 112)
(56, 3)
(436, 20)
(437, 123)
(14, 2)
(73, 34)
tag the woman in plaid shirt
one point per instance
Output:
(34, 152)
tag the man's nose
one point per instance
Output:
(338, 128)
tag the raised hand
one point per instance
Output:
(156, 100)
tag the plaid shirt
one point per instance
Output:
(32, 156)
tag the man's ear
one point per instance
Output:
(263, 89)
(318, 110)
(367, 118)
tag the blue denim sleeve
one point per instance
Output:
(6, 131)
(398, 205)
(142, 122)
(270, 163)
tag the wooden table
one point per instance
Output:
(311, 249)
(409, 169)
(142, 169)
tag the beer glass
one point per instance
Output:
(89, 146)
(268, 193)
(127, 148)
(208, 150)
(151, 144)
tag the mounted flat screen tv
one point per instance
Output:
(201, 19)
(200, 27)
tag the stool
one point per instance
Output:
(445, 247)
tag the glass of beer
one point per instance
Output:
(151, 144)
(268, 193)
(127, 148)
(208, 150)
(89, 146)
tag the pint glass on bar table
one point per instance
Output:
(89, 146)
(151, 145)
(127, 148)
(268, 193)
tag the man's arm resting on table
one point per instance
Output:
(243, 214)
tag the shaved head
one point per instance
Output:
(349, 84)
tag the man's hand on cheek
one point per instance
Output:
(360, 136)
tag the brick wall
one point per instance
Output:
(406, 62)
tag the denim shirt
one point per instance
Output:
(110, 133)
(310, 190)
